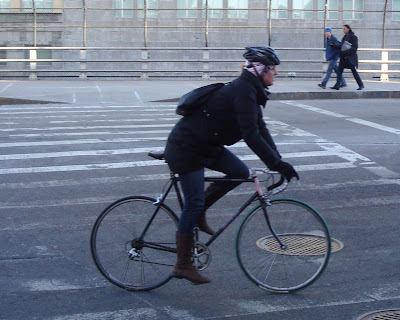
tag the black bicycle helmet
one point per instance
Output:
(265, 55)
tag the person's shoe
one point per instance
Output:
(321, 86)
(184, 268)
(335, 88)
(360, 88)
(343, 85)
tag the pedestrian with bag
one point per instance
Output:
(348, 57)
(233, 112)
(332, 56)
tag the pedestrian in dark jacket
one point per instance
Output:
(198, 141)
(332, 56)
(348, 57)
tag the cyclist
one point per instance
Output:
(197, 142)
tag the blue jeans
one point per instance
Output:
(192, 184)
(332, 67)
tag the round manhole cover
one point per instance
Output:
(298, 244)
(392, 314)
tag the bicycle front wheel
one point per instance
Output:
(124, 257)
(297, 260)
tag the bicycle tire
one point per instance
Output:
(118, 254)
(277, 269)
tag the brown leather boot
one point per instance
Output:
(184, 268)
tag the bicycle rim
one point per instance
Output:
(118, 252)
(289, 269)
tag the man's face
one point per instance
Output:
(328, 34)
(270, 76)
(346, 30)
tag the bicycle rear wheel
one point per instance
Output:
(122, 256)
(283, 269)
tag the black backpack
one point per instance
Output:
(195, 99)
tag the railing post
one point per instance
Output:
(145, 56)
(82, 64)
(33, 64)
(206, 64)
(385, 66)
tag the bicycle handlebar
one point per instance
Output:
(278, 184)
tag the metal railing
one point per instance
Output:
(201, 63)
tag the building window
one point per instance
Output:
(353, 9)
(332, 12)
(213, 6)
(279, 9)
(41, 6)
(123, 8)
(187, 9)
(152, 6)
(300, 7)
(237, 9)
(396, 7)
(5, 6)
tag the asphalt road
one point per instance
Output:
(61, 164)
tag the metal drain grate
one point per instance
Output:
(298, 245)
(392, 314)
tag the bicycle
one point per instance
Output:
(282, 245)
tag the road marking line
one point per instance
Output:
(25, 156)
(83, 111)
(374, 125)
(5, 88)
(383, 172)
(58, 107)
(315, 109)
(148, 163)
(138, 96)
(80, 141)
(166, 125)
(111, 120)
(348, 118)
(105, 152)
(94, 133)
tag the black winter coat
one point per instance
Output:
(350, 55)
(233, 113)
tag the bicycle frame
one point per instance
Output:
(174, 183)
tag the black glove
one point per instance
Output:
(287, 170)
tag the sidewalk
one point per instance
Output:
(133, 91)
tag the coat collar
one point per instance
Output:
(262, 93)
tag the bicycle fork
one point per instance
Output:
(264, 205)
